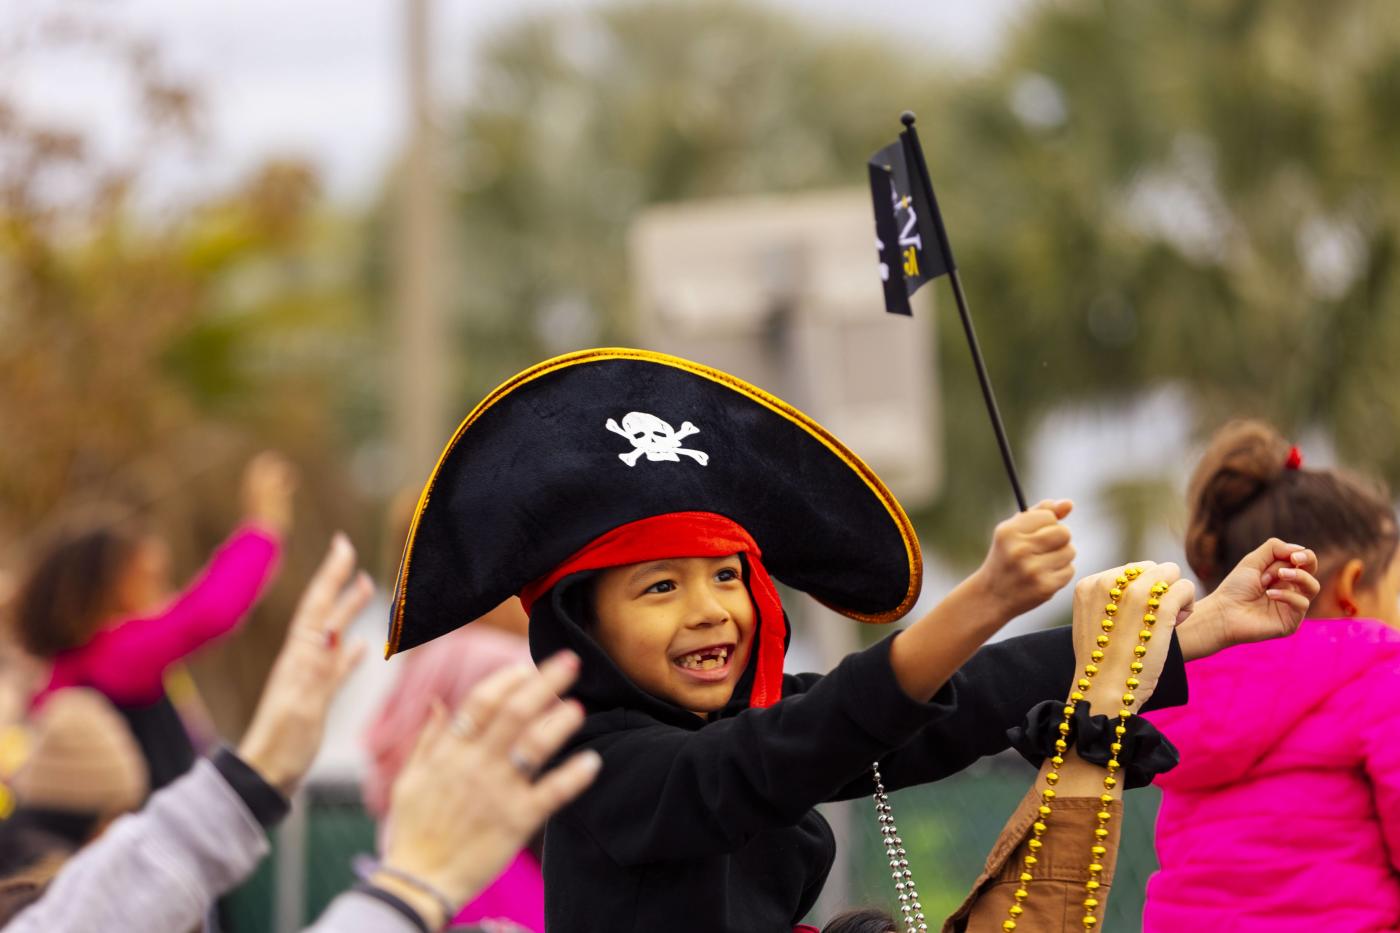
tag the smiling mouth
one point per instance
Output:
(712, 658)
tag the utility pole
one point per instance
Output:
(420, 273)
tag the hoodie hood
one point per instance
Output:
(562, 619)
(1248, 700)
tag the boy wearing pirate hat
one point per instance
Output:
(642, 506)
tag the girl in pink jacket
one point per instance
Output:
(1284, 814)
(95, 606)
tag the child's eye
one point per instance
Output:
(661, 586)
(727, 575)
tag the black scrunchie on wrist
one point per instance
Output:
(1146, 751)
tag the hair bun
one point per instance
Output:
(1243, 459)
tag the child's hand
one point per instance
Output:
(1265, 596)
(1031, 558)
(269, 481)
(1091, 595)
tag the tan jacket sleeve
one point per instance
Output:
(1056, 902)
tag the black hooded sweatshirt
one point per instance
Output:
(709, 826)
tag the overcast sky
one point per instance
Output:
(323, 78)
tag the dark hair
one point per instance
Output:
(68, 587)
(1243, 492)
(861, 920)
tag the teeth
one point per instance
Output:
(704, 660)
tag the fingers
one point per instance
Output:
(329, 578)
(1043, 513)
(562, 785)
(547, 734)
(1095, 587)
(1274, 550)
(1059, 508)
(349, 659)
(1294, 600)
(502, 706)
(1049, 538)
(349, 604)
(432, 730)
(1302, 560)
(1177, 601)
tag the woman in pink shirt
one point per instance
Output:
(94, 604)
(1284, 814)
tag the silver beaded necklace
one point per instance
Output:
(909, 906)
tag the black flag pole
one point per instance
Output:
(915, 153)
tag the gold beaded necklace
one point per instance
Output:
(1052, 776)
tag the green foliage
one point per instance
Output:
(1197, 193)
(581, 121)
(1138, 193)
(146, 351)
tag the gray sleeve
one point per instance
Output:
(353, 912)
(157, 870)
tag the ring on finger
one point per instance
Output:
(329, 639)
(522, 764)
(462, 726)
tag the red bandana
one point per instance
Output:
(689, 534)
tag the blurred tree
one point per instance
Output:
(1198, 192)
(1137, 193)
(146, 351)
(580, 120)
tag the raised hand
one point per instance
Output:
(1114, 660)
(286, 731)
(269, 482)
(470, 796)
(1266, 596)
(1030, 559)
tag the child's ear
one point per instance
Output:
(1347, 585)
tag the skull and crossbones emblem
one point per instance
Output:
(655, 438)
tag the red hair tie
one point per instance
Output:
(1295, 458)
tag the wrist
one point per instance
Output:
(1201, 635)
(427, 906)
(253, 751)
(987, 606)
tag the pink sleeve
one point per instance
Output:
(127, 662)
(1381, 747)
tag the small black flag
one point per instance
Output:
(914, 248)
(912, 243)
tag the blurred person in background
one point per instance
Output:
(95, 604)
(1284, 814)
(81, 770)
(460, 808)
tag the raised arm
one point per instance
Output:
(1051, 868)
(719, 785)
(767, 767)
(127, 662)
(1030, 559)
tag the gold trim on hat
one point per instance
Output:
(767, 400)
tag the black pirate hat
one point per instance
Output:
(579, 445)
